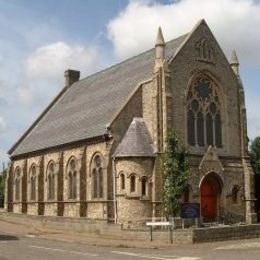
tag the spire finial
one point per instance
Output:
(160, 40)
(159, 47)
(234, 62)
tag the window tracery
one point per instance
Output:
(204, 114)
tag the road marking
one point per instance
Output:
(3, 242)
(239, 246)
(154, 257)
(63, 250)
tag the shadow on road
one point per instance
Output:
(8, 238)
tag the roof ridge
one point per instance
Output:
(128, 59)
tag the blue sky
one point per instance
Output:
(40, 39)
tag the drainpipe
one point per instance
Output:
(114, 188)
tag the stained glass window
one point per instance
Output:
(203, 114)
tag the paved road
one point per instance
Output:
(33, 248)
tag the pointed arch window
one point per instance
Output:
(144, 186)
(204, 114)
(122, 181)
(132, 183)
(33, 183)
(51, 181)
(97, 176)
(17, 184)
(72, 179)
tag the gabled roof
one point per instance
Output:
(84, 109)
(137, 141)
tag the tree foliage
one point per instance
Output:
(2, 188)
(255, 155)
(175, 174)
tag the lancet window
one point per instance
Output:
(97, 175)
(33, 182)
(17, 184)
(51, 181)
(72, 179)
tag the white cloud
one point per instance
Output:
(234, 22)
(3, 125)
(44, 69)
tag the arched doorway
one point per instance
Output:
(210, 190)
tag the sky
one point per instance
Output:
(41, 39)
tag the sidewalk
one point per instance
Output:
(30, 230)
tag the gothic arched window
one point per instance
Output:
(72, 179)
(122, 181)
(51, 181)
(17, 183)
(132, 183)
(33, 182)
(97, 176)
(203, 114)
(144, 186)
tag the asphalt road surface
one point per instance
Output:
(33, 248)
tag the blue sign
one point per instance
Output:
(190, 210)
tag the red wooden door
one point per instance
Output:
(208, 202)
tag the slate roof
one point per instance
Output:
(137, 141)
(85, 108)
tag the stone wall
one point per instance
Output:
(185, 66)
(115, 231)
(17, 207)
(32, 208)
(133, 208)
(72, 209)
(61, 204)
(97, 210)
(226, 233)
(50, 209)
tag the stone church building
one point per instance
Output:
(94, 151)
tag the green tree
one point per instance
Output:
(255, 155)
(255, 162)
(175, 174)
(2, 188)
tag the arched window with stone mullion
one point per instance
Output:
(203, 114)
(97, 177)
(72, 179)
(33, 183)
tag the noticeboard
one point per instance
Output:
(190, 210)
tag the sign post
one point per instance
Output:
(190, 210)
